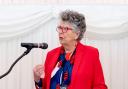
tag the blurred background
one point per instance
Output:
(36, 20)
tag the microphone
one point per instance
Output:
(35, 45)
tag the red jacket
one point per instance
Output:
(87, 71)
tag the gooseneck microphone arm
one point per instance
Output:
(28, 46)
(25, 53)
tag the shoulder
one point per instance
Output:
(90, 52)
(55, 50)
(52, 54)
(87, 48)
(91, 48)
(93, 51)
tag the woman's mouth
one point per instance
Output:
(61, 37)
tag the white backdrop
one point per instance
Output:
(107, 29)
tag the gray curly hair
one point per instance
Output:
(76, 19)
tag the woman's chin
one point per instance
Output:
(62, 42)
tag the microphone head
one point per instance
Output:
(43, 45)
(35, 45)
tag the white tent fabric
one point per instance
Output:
(107, 29)
(103, 22)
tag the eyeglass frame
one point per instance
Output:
(61, 29)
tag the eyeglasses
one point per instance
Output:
(61, 29)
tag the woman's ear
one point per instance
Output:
(77, 35)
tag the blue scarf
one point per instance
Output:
(62, 78)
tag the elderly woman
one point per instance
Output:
(73, 65)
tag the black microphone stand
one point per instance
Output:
(25, 53)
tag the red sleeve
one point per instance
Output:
(99, 82)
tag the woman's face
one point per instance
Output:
(66, 33)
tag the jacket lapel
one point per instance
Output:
(78, 58)
(53, 60)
